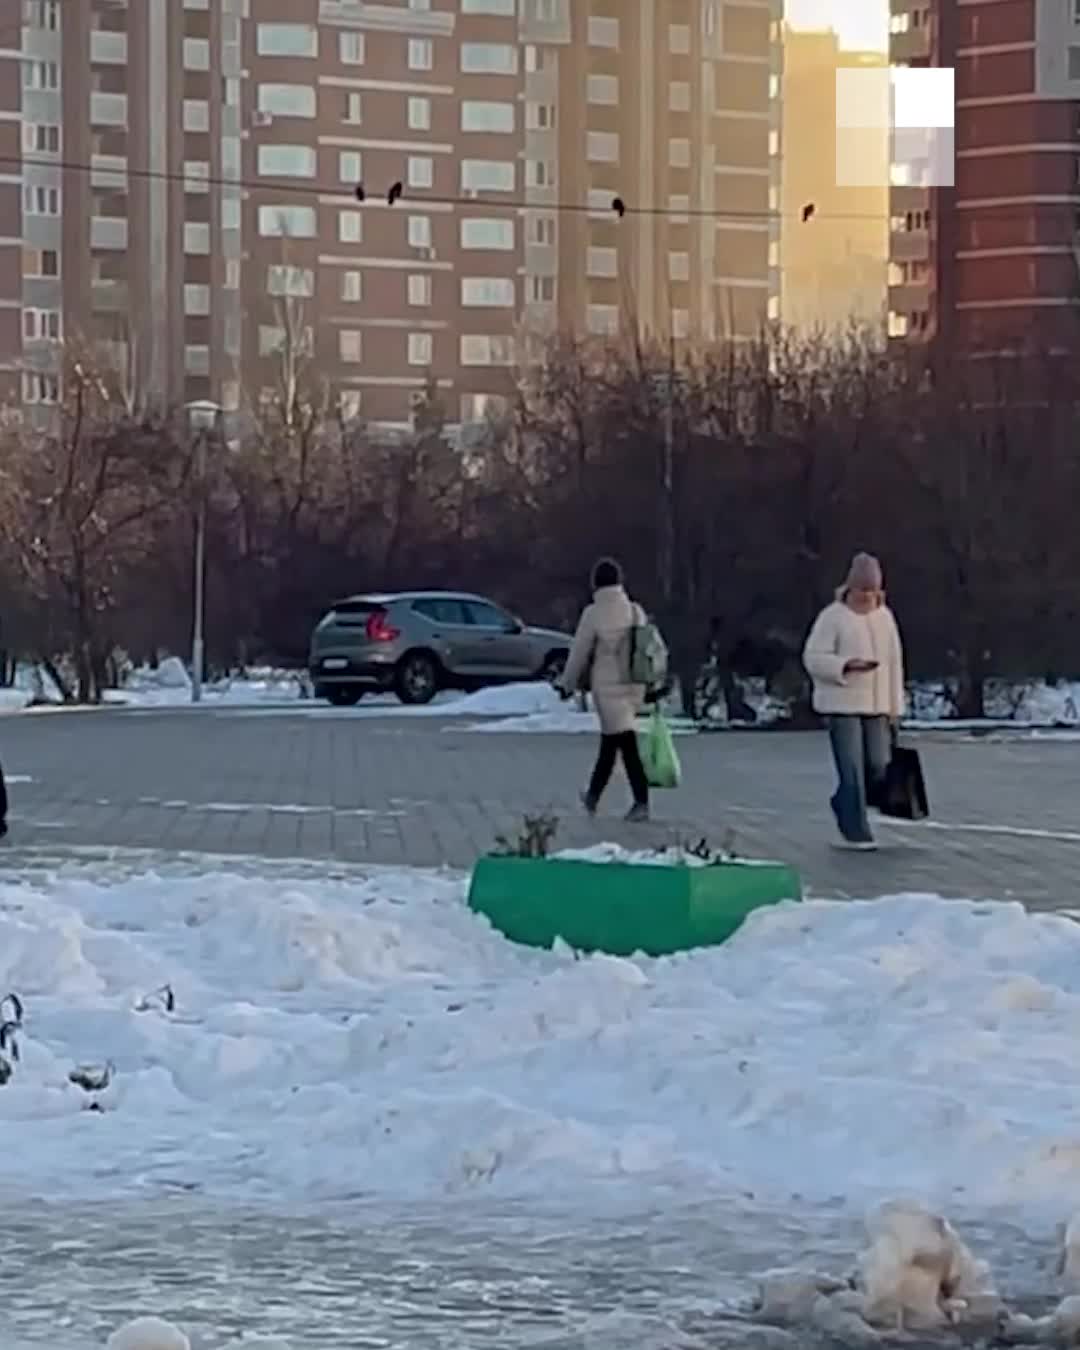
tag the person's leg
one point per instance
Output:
(635, 770)
(3, 804)
(849, 800)
(601, 775)
(877, 752)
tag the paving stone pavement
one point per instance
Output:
(345, 787)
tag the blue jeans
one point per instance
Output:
(862, 748)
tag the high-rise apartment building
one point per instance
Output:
(992, 265)
(834, 265)
(181, 194)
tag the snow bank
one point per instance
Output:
(32, 686)
(373, 1037)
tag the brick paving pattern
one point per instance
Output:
(345, 787)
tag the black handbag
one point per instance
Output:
(902, 793)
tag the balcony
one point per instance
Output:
(108, 49)
(109, 232)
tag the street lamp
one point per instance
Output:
(203, 417)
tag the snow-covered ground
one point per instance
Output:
(369, 1037)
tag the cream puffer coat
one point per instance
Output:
(841, 635)
(600, 660)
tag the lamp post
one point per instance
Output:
(203, 416)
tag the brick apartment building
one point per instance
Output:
(177, 188)
(992, 265)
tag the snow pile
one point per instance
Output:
(32, 687)
(1030, 704)
(169, 685)
(373, 1037)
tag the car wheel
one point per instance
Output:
(417, 679)
(344, 696)
(553, 667)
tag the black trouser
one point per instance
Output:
(3, 798)
(611, 747)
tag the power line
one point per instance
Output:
(619, 206)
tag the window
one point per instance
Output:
(540, 173)
(42, 138)
(441, 611)
(287, 222)
(40, 388)
(538, 59)
(196, 54)
(485, 232)
(196, 175)
(603, 32)
(351, 48)
(421, 5)
(489, 58)
(350, 404)
(419, 289)
(547, 11)
(479, 350)
(420, 231)
(774, 142)
(287, 161)
(196, 299)
(232, 274)
(679, 266)
(351, 345)
(41, 201)
(540, 290)
(44, 262)
(420, 114)
(196, 114)
(41, 75)
(679, 152)
(287, 39)
(503, 9)
(481, 615)
(196, 238)
(354, 108)
(42, 14)
(352, 287)
(421, 54)
(602, 262)
(487, 175)
(602, 147)
(282, 279)
(421, 349)
(477, 407)
(287, 100)
(487, 292)
(487, 117)
(540, 116)
(41, 325)
(602, 90)
(679, 39)
(542, 230)
(421, 169)
(898, 324)
(679, 96)
(1074, 61)
(351, 166)
(602, 320)
(350, 227)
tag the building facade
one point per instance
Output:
(834, 266)
(179, 191)
(991, 265)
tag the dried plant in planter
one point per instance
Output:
(163, 999)
(11, 1009)
(9, 1050)
(535, 840)
(704, 852)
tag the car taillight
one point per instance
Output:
(379, 630)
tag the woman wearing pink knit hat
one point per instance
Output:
(855, 658)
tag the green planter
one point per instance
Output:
(623, 908)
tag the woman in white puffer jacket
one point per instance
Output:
(855, 657)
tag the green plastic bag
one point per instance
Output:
(658, 753)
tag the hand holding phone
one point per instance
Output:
(860, 667)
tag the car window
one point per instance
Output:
(482, 615)
(441, 610)
(352, 613)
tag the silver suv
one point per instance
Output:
(419, 642)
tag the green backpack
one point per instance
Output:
(648, 654)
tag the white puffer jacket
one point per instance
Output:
(839, 636)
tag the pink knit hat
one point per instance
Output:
(864, 574)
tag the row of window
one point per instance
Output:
(474, 349)
(477, 232)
